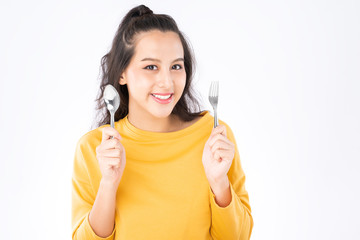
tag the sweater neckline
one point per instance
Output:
(136, 132)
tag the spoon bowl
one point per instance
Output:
(112, 101)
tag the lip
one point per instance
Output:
(163, 101)
(163, 94)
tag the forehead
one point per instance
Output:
(158, 44)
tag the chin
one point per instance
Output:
(162, 111)
(161, 114)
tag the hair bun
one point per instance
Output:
(141, 11)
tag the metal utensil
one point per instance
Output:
(112, 101)
(213, 99)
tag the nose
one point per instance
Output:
(165, 80)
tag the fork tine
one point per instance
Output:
(213, 99)
(214, 89)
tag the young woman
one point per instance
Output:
(166, 173)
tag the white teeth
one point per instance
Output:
(162, 97)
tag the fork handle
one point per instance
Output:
(216, 123)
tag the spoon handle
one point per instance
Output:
(112, 120)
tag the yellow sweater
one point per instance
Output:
(164, 192)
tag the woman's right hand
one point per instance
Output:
(111, 156)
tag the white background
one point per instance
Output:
(289, 77)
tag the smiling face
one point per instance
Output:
(155, 76)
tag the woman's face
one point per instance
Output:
(155, 76)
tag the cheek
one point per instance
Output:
(137, 82)
(181, 82)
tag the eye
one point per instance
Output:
(151, 67)
(177, 67)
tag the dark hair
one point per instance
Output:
(113, 64)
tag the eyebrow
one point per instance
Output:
(157, 60)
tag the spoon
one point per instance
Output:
(112, 100)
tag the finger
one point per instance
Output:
(223, 155)
(217, 156)
(111, 162)
(220, 145)
(220, 129)
(108, 132)
(217, 138)
(111, 143)
(115, 152)
(108, 145)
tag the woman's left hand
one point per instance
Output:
(217, 156)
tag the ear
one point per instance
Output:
(122, 80)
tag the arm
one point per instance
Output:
(222, 192)
(102, 214)
(229, 200)
(94, 217)
(90, 209)
(234, 221)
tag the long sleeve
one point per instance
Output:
(233, 222)
(83, 197)
(164, 193)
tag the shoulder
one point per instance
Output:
(206, 118)
(208, 121)
(229, 132)
(222, 122)
(86, 166)
(189, 123)
(90, 139)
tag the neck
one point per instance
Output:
(153, 124)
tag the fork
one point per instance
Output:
(213, 99)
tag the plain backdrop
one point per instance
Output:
(289, 89)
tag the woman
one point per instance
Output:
(166, 173)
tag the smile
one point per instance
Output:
(163, 98)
